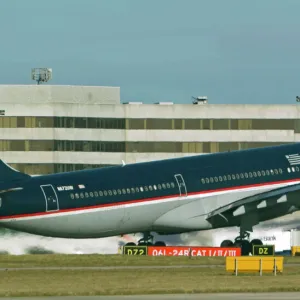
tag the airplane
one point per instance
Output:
(172, 196)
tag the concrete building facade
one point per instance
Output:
(49, 129)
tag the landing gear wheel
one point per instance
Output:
(255, 242)
(144, 244)
(226, 243)
(146, 240)
(244, 245)
(160, 244)
(130, 244)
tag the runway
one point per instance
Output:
(120, 267)
(231, 296)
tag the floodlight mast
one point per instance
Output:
(200, 99)
(41, 75)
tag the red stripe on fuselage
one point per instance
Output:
(145, 200)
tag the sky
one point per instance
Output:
(233, 51)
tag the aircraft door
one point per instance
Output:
(181, 185)
(50, 197)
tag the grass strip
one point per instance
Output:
(137, 282)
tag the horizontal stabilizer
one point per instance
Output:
(11, 178)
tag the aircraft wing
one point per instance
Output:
(263, 206)
(10, 178)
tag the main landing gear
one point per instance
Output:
(147, 240)
(242, 241)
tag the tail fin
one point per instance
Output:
(11, 178)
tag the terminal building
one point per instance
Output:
(48, 129)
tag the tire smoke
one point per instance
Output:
(18, 243)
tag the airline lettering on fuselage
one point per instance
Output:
(65, 188)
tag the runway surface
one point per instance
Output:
(121, 267)
(248, 296)
(111, 267)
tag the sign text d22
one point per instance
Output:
(135, 250)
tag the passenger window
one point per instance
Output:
(220, 178)
(119, 192)
(267, 172)
(237, 176)
(216, 179)
(233, 177)
(159, 186)
(207, 180)
(132, 190)
(297, 169)
(263, 173)
(128, 191)
(229, 177)
(137, 189)
(100, 193)
(164, 186)
(173, 185)
(91, 194)
(211, 179)
(141, 188)
(293, 169)
(276, 171)
(77, 196)
(250, 174)
(202, 180)
(224, 177)
(105, 193)
(168, 185)
(242, 175)
(272, 172)
(72, 196)
(146, 189)
(115, 192)
(124, 191)
(258, 173)
(150, 188)
(246, 175)
(86, 195)
(81, 195)
(254, 174)
(280, 170)
(96, 194)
